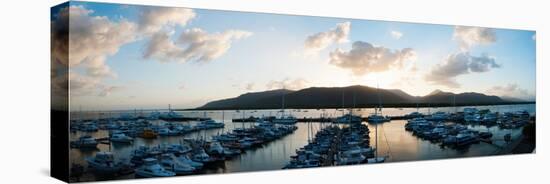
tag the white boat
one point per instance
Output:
(375, 118)
(350, 157)
(121, 137)
(177, 148)
(209, 124)
(284, 119)
(104, 163)
(376, 160)
(202, 156)
(348, 119)
(171, 163)
(225, 138)
(187, 160)
(216, 148)
(151, 168)
(438, 116)
(464, 139)
(84, 142)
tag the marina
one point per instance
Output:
(211, 143)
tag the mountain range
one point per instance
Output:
(352, 96)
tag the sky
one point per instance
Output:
(145, 57)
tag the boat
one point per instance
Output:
(187, 160)
(89, 127)
(151, 168)
(284, 119)
(177, 149)
(84, 142)
(104, 163)
(209, 124)
(415, 114)
(171, 163)
(216, 148)
(348, 119)
(438, 116)
(148, 134)
(225, 138)
(376, 160)
(121, 138)
(377, 117)
(350, 157)
(464, 139)
(201, 156)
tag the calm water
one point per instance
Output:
(393, 141)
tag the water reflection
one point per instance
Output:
(393, 141)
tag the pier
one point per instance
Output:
(308, 119)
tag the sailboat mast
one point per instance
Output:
(343, 99)
(379, 100)
(283, 103)
(376, 140)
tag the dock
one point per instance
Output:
(309, 119)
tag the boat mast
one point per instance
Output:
(343, 99)
(283, 103)
(379, 100)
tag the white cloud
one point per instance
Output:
(319, 41)
(249, 86)
(292, 84)
(107, 90)
(459, 64)
(534, 37)
(365, 57)
(396, 34)
(192, 45)
(511, 90)
(93, 38)
(468, 37)
(154, 19)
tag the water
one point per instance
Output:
(393, 141)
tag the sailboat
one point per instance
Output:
(376, 158)
(285, 119)
(376, 118)
(348, 118)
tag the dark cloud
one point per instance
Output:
(459, 64)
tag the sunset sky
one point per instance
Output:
(127, 57)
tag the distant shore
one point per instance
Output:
(407, 105)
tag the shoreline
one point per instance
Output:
(359, 106)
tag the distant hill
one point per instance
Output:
(358, 96)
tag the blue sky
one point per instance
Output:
(270, 51)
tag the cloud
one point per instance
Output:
(511, 90)
(93, 38)
(154, 19)
(468, 37)
(319, 41)
(85, 85)
(534, 37)
(396, 34)
(249, 86)
(192, 45)
(365, 57)
(295, 84)
(459, 64)
(107, 90)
